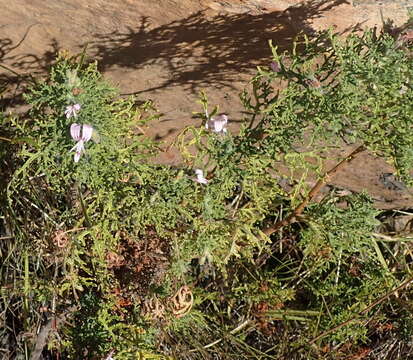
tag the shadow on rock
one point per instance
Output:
(17, 70)
(201, 50)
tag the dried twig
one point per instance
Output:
(232, 332)
(41, 339)
(313, 192)
(367, 309)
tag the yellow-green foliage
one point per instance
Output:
(112, 241)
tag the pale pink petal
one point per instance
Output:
(77, 156)
(72, 110)
(79, 149)
(219, 126)
(68, 111)
(218, 118)
(74, 147)
(75, 131)
(202, 181)
(87, 132)
(275, 66)
(220, 123)
(200, 177)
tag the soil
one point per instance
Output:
(169, 50)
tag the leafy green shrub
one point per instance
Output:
(226, 256)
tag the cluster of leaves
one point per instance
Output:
(102, 245)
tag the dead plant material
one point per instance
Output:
(52, 324)
(121, 302)
(384, 328)
(182, 302)
(405, 39)
(265, 325)
(114, 260)
(361, 354)
(153, 309)
(60, 239)
(139, 262)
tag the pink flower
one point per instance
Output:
(200, 177)
(81, 134)
(275, 66)
(72, 110)
(218, 124)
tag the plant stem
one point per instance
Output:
(232, 332)
(367, 309)
(313, 192)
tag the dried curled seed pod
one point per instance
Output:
(182, 302)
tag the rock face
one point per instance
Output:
(169, 50)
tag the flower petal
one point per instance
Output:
(75, 131)
(220, 126)
(79, 149)
(200, 177)
(220, 123)
(87, 132)
(72, 110)
(79, 146)
(68, 111)
(77, 156)
(202, 181)
(275, 66)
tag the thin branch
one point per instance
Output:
(363, 312)
(232, 332)
(46, 215)
(52, 323)
(313, 192)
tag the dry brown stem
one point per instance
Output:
(363, 312)
(313, 192)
